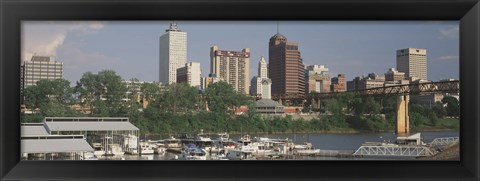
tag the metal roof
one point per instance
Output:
(33, 130)
(54, 145)
(91, 126)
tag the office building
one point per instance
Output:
(338, 83)
(317, 79)
(261, 84)
(286, 67)
(190, 74)
(413, 62)
(371, 81)
(173, 54)
(394, 75)
(211, 79)
(40, 67)
(231, 66)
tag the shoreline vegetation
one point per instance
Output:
(306, 132)
(181, 108)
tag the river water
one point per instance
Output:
(341, 142)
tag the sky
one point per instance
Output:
(131, 48)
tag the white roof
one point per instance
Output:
(54, 145)
(90, 126)
(33, 130)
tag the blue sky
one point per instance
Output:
(131, 48)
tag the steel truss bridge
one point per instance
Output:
(447, 141)
(407, 150)
(406, 89)
(393, 150)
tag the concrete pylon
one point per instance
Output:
(403, 118)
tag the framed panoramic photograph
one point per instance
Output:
(205, 90)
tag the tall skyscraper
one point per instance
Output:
(173, 54)
(190, 74)
(413, 62)
(286, 67)
(231, 66)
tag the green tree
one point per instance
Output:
(453, 106)
(222, 98)
(150, 90)
(102, 92)
(51, 97)
(179, 97)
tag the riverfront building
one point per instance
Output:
(190, 74)
(286, 68)
(231, 66)
(173, 54)
(268, 106)
(317, 79)
(413, 62)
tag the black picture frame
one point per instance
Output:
(12, 12)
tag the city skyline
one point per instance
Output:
(352, 48)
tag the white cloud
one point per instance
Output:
(451, 32)
(45, 37)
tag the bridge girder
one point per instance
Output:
(407, 89)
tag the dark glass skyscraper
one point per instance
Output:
(285, 67)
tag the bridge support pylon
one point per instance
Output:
(403, 118)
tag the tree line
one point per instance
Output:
(182, 108)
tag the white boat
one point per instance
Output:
(98, 149)
(158, 146)
(306, 149)
(237, 154)
(115, 149)
(130, 144)
(173, 145)
(245, 140)
(88, 156)
(223, 141)
(194, 153)
(145, 148)
(204, 142)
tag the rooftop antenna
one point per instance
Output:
(277, 28)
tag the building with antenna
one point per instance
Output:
(173, 53)
(286, 68)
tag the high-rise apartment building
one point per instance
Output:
(40, 67)
(286, 67)
(190, 74)
(413, 62)
(173, 54)
(231, 66)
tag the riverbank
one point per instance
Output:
(343, 131)
(450, 153)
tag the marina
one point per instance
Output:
(110, 145)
